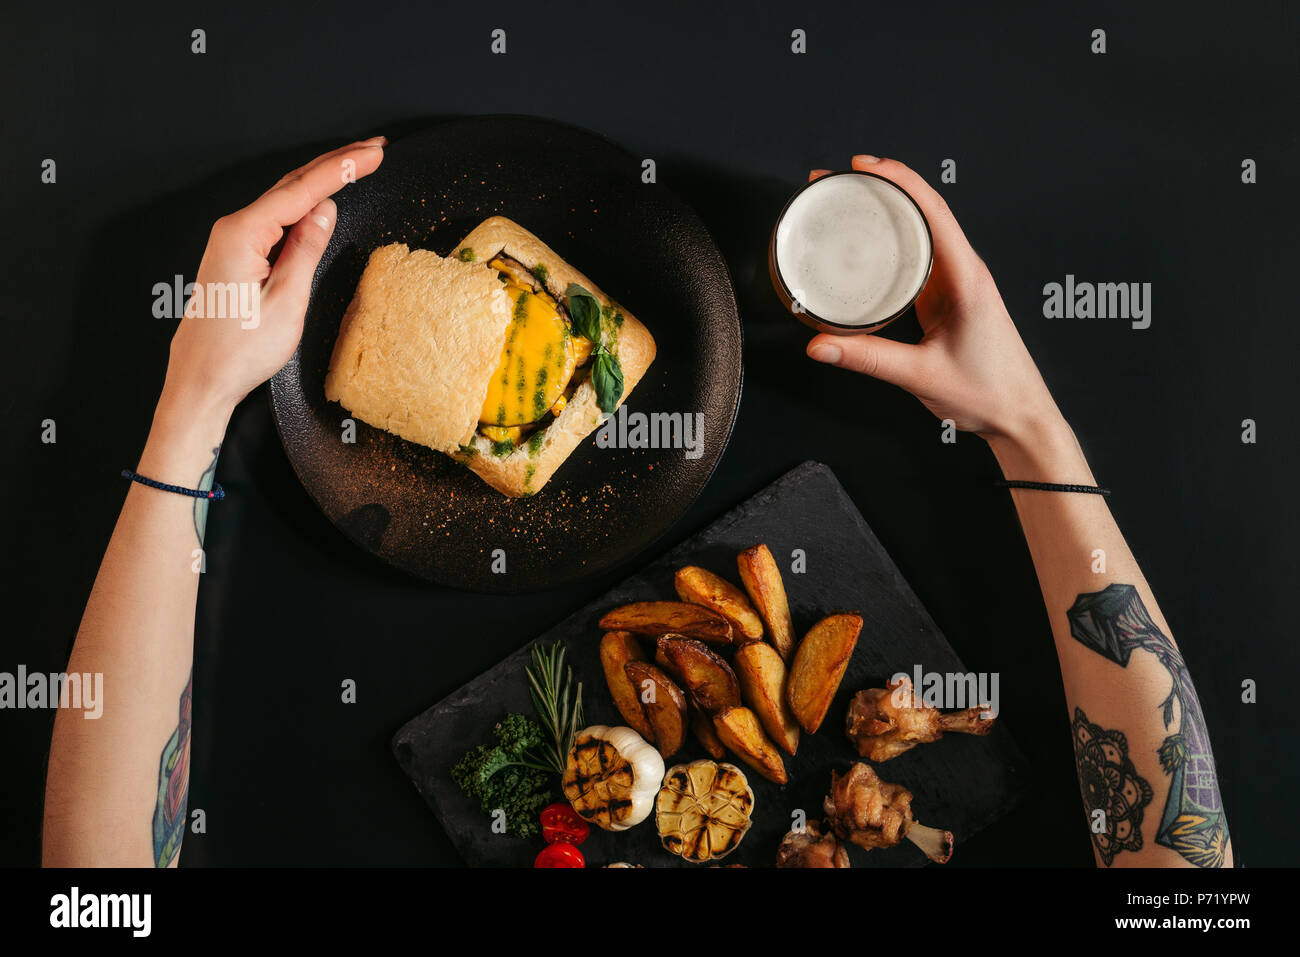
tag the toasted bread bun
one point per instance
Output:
(530, 466)
(418, 344)
(423, 336)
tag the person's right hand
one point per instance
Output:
(971, 365)
(245, 318)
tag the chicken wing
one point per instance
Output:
(811, 848)
(885, 722)
(870, 813)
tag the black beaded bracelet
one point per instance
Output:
(214, 494)
(1053, 487)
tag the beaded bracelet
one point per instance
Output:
(1053, 487)
(214, 494)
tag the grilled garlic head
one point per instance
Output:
(703, 810)
(612, 777)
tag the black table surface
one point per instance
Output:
(1115, 167)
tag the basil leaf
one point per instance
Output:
(584, 310)
(607, 377)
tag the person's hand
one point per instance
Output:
(245, 316)
(971, 365)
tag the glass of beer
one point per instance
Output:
(850, 253)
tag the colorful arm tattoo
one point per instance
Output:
(201, 504)
(1114, 623)
(173, 786)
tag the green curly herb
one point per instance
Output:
(507, 775)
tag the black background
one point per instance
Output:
(1117, 167)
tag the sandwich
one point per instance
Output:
(500, 355)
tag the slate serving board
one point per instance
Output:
(961, 783)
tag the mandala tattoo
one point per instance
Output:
(1111, 784)
(173, 787)
(1114, 623)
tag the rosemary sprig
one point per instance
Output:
(558, 701)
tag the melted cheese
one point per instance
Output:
(537, 363)
(582, 347)
(513, 434)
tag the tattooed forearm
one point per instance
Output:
(1114, 623)
(201, 504)
(173, 787)
(1114, 794)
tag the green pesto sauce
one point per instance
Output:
(503, 448)
(539, 396)
(521, 305)
(612, 315)
(468, 451)
(528, 479)
(540, 272)
(535, 442)
(466, 255)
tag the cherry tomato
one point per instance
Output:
(562, 823)
(560, 854)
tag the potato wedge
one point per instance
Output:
(707, 735)
(708, 679)
(762, 676)
(662, 617)
(819, 665)
(617, 648)
(664, 705)
(699, 586)
(741, 731)
(762, 579)
(661, 658)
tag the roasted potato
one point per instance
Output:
(662, 617)
(740, 730)
(617, 648)
(701, 587)
(709, 680)
(706, 734)
(819, 666)
(661, 658)
(762, 579)
(664, 705)
(762, 676)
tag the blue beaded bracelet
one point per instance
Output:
(214, 494)
(1053, 487)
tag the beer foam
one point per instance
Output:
(852, 250)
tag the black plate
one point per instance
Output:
(961, 783)
(583, 196)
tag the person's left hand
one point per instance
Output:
(245, 316)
